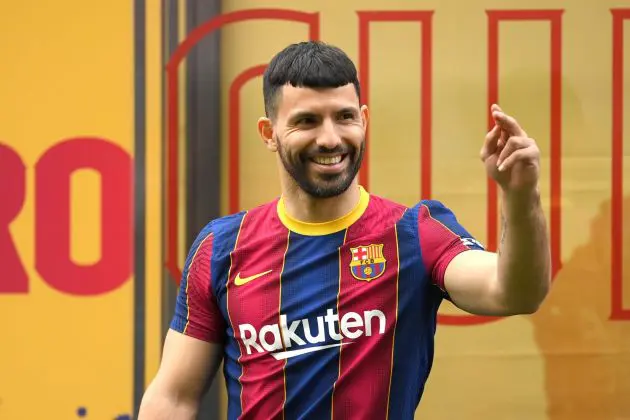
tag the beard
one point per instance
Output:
(322, 185)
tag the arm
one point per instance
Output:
(516, 279)
(193, 346)
(513, 281)
(176, 390)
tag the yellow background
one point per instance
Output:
(67, 70)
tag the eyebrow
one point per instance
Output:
(350, 109)
(303, 114)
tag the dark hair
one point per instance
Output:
(312, 64)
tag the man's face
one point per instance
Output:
(320, 137)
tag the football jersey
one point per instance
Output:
(328, 320)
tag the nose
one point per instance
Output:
(328, 138)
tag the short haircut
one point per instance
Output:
(311, 64)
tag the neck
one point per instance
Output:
(305, 208)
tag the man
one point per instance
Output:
(322, 303)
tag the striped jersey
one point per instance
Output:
(322, 320)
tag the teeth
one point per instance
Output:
(327, 160)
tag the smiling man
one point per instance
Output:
(323, 303)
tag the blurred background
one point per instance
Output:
(126, 126)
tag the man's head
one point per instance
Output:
(314, 118)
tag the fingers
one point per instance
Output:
(526, 155)
(495, 108)
(517, 149)
(490, 143)
(507, 140)
(503, 140)
(509, 126)
(512, 145)
(507, 122)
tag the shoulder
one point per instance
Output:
(228, 223)
(434, 214)
(436, 219)
(424, 210)
(225, 224)
(433, 209)
(225, 229)
(218, 227)
(386, 209)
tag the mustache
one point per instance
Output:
(337, 150)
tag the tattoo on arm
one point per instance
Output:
(503, 230)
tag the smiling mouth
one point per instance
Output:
(328, 160)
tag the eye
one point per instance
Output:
(347, 115)
(306, 120)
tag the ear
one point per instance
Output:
(365, 116)
(265, 131)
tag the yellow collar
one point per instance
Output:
(324, 228)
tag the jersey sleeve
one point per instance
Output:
(197, 313)
(441, 239)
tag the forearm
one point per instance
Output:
(158, 404)
(524, 267)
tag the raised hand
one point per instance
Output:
(511, 158)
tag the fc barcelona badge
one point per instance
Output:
(367, 262)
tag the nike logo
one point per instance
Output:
(239, 281)
(292, 353)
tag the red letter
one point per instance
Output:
(617, 310)
(311, 19)
(423, 17)
(555, 19)
(12, 191)
(52, 216)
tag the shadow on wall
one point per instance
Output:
(587, 356)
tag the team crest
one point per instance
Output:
(368, 262)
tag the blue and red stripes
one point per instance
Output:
(440, 239)
(196, 310)
(306, 335)
(252, 305)
(365, 367)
